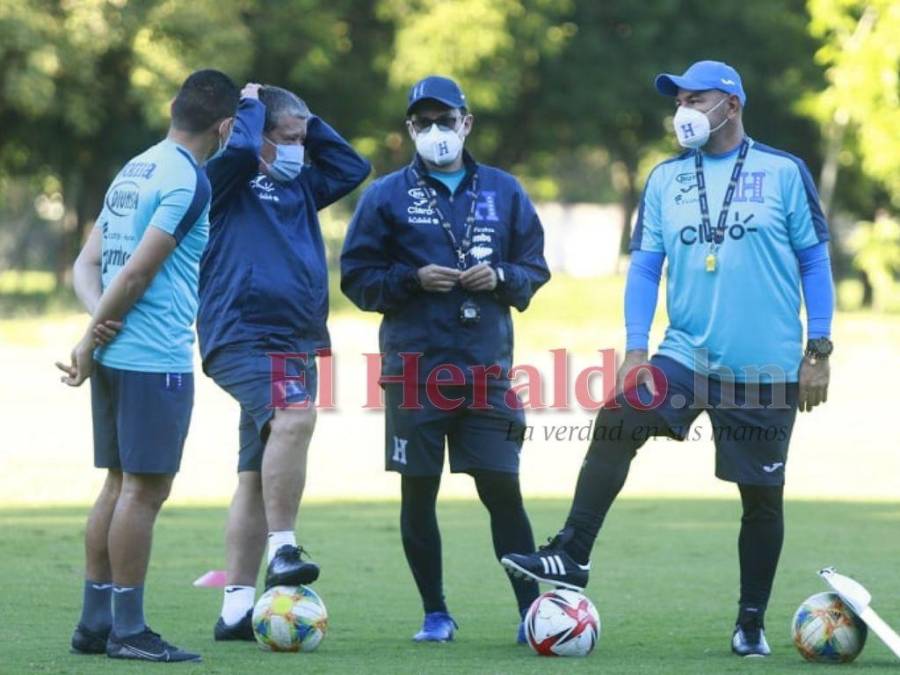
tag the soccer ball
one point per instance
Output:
(562, 623)
(826, 630)
(289, 619)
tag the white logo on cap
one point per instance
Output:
(724, 81)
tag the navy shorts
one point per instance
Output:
(245, 371)
(751, 423)
(140, 419)
(486, 440)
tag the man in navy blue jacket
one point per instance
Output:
(264, 290)
(442, 249)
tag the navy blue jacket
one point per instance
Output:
(393, 233)
(264, 273)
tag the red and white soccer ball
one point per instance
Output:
(562, 623)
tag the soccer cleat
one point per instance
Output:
(437, 627)
(242, 630)
(749, 637)
(87, 641)
(146, 646)
(550, 565)
(521, 639)
(289, 569)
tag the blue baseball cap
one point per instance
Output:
(701, 76)
(441, 89)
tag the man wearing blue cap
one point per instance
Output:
(734, 343)
(443, 248)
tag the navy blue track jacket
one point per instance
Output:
(264, 272)
(393, 233)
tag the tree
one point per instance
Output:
(860, 107)
(87, 84)
(602, 81)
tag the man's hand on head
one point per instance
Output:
(251, 90)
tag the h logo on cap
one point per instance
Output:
(687, 130)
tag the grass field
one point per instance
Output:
(664, 583)
(666, 572)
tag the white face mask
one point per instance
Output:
(439, 146)
(692, 125)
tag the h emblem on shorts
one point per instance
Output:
(400, 450)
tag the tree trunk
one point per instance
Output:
(828, 177)
(72, 189)
(629, 204)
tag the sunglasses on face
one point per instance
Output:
(443, 121)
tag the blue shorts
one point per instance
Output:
(245, 370)
(140, 419)
(751, 423)
(486, 440)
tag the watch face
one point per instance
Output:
(821, 347)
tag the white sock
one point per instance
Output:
(235, 603)
(279, 539)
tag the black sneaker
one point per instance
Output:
(550, 565)
(146, 646)
(87, 641)
(242, 630)
(289, 569)
(749, 636)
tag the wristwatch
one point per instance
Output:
(820, 348)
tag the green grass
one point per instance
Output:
(665, 585)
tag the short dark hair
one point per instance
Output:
(206, 97)
(280, 102)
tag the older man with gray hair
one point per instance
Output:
(264, 290)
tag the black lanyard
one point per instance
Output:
(461, 248)
(718, 237)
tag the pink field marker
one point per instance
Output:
(212, 579)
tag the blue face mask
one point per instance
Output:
(288, 161)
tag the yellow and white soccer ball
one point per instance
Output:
(290, 619)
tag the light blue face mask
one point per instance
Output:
(288, 161)
(221, 150)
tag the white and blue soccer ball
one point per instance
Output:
(562, 623)
(290, 619)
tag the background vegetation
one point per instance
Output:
(561, 90)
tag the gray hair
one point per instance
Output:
(280, 102)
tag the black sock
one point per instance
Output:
(617, 436)
(510, 529)
(759, 547)
(96, 609)
(422, 538)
